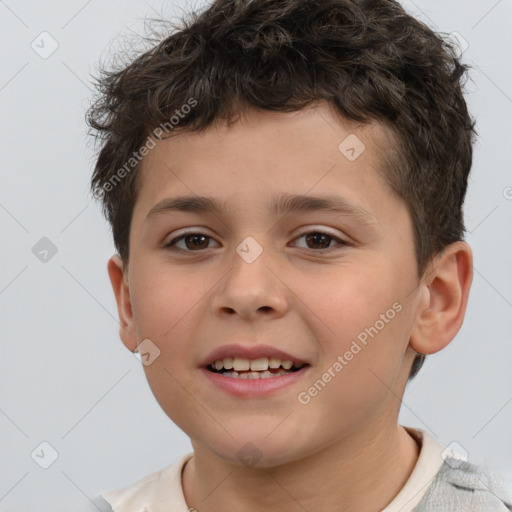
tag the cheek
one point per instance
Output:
(165, 311)
(161, 300)
(348, 299)
(360, 317)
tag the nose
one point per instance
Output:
(251, 291)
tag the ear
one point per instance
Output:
(445, 296)
(119, 281)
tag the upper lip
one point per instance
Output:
(249, 352)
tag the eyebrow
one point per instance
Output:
(280, 205)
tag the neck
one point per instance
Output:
(363, 471)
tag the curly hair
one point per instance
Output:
(369, 59)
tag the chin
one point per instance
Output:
(259, 447)
(257, 455)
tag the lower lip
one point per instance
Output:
(253, 387)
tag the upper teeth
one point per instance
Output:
(256, 365)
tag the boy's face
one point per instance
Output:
(314, 304)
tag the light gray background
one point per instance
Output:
(65, 376)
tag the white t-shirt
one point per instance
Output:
(162, 491)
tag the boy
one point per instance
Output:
(285, 182)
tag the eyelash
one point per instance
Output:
(172, 247)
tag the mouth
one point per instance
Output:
(254, 369)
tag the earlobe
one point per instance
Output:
(446, 292)
(118, 279)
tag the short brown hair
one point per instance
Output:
(367, 58)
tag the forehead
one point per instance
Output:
(265, 154)
(318, 126)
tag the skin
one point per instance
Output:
(344, 450)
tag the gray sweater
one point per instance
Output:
(463, 486)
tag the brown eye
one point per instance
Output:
(192, 242)
(196, 241)
(317, 240)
